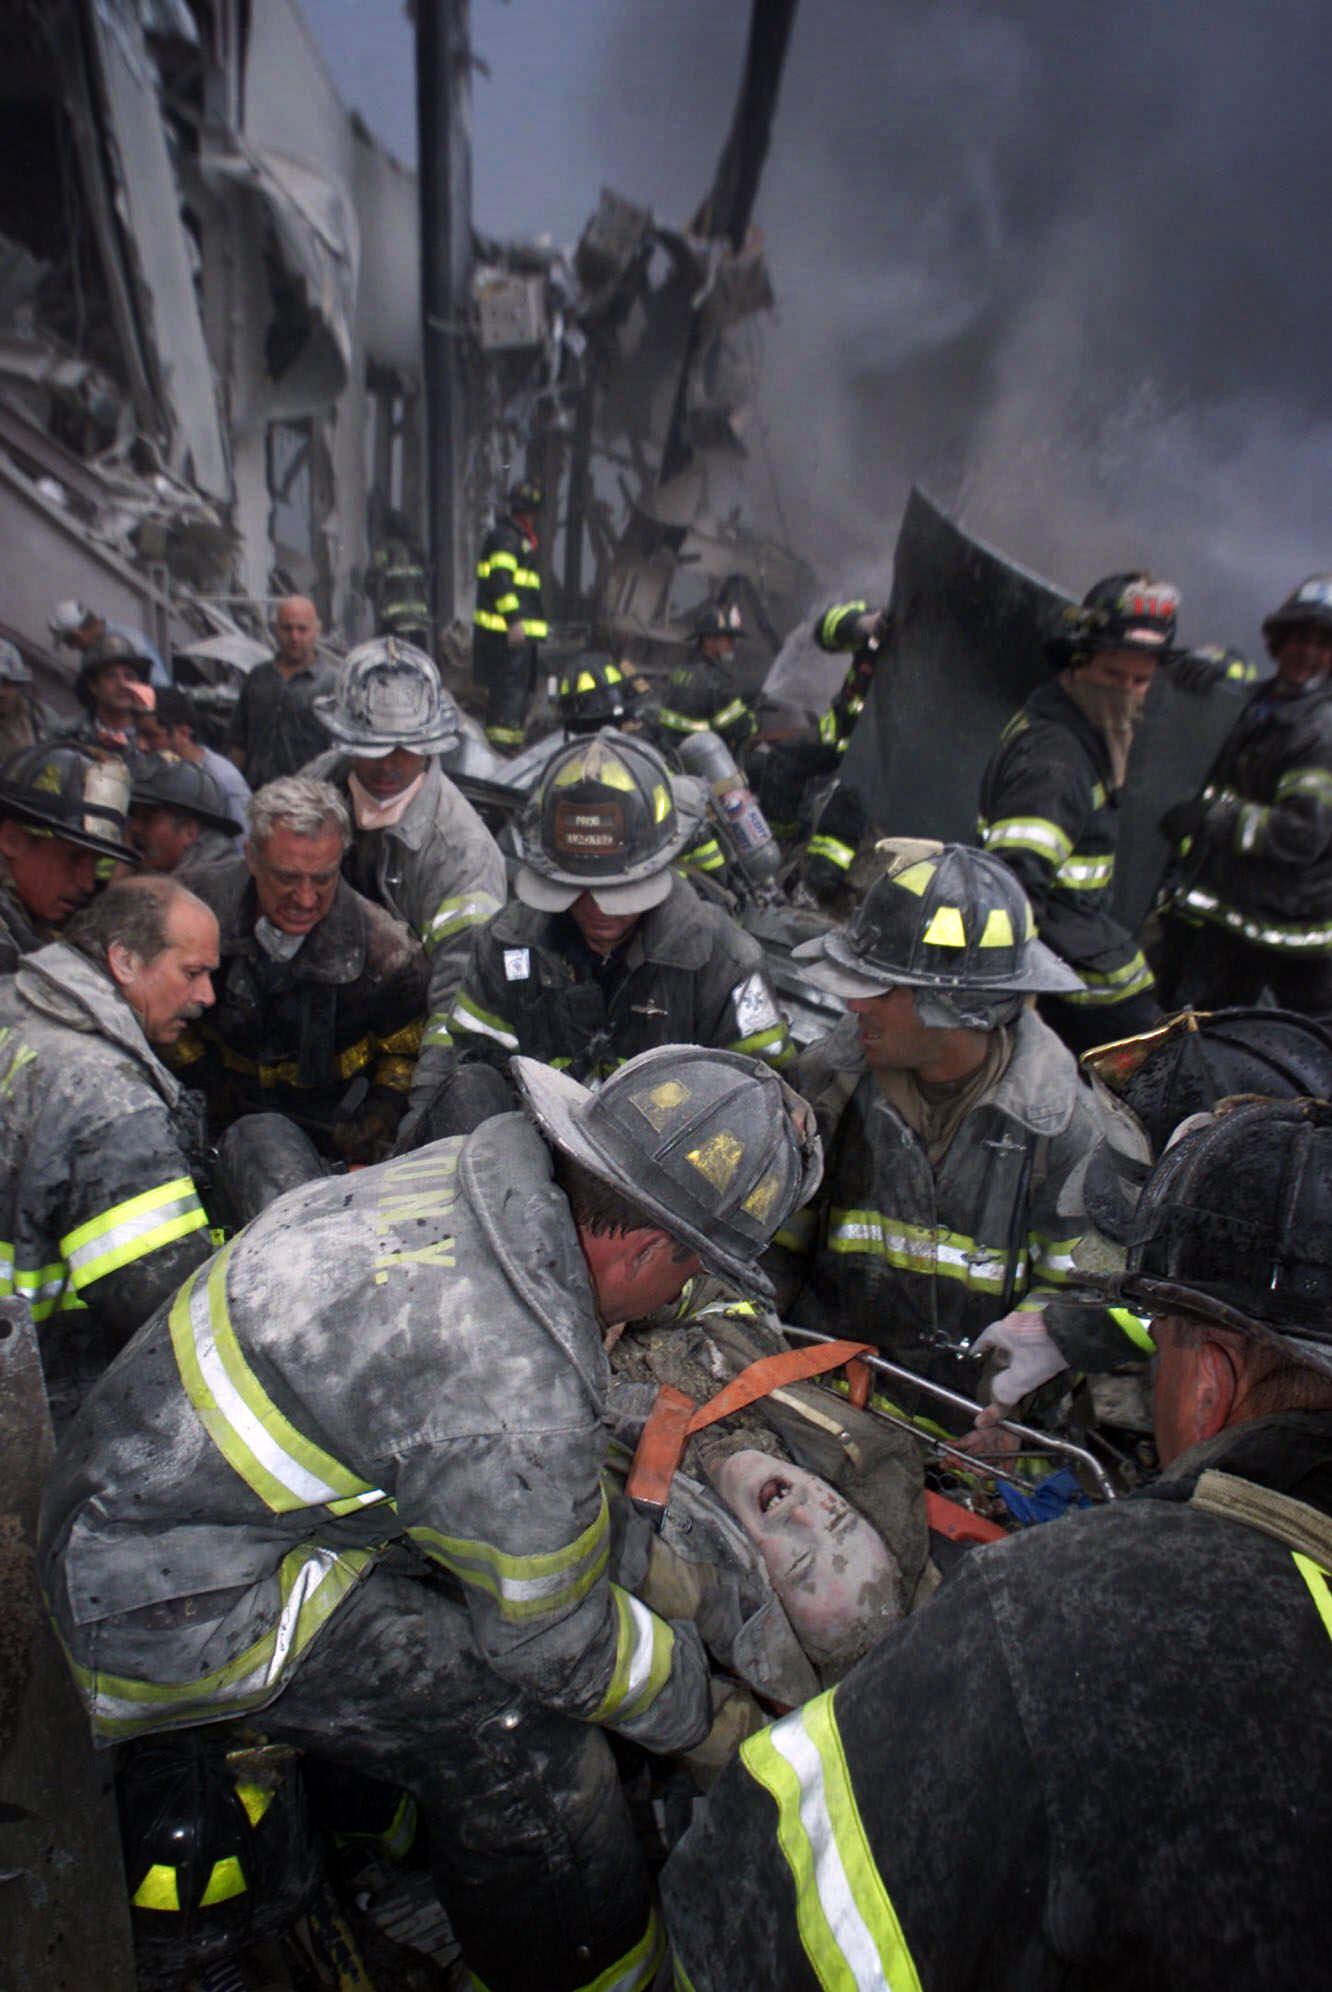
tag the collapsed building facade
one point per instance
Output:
(211, 353)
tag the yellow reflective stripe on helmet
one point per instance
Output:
(467, 1015)
(917, 1248)
(312, 1584)
(1081, 873)
(159, 1889)
(849, 1929)
(833, 849)
(1264, 933)
(226, 1880)
(1028, 833)
(455, 915)
(1319, 1588)
(553, 1581)
(284, 1468)
(1112, 985)
(644, 1645)
(484, 619)
(131, 1230)
(680, 722)
(1135, 1327)
(256, 1799)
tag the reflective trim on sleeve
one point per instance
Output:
(729, 714)
(504, 736)
(1135, 1327)
(455, 915)
(916, 1248)
(1082, 873)
(312, 1584)
(833, 849)
(535, 630)
(827, 634)
(43, 1287)
(131, 1230)
(644, 1647)
(541, 1586)
(705, 857)
(1052, 1259)
(1282, 939)
(1028, 833)
(491, 563)
(828, 728)
(799, 1231)
(485, 620)
(848, 1927)
(1112, 985)
(275, 1460)
(507, 606)
(435, 1036)
(1316, 783)
(679, 722)
(467, 1015)
(773, 1045)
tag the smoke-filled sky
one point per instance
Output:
(1067, 268)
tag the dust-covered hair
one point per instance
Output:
(134, 912)
(303, 804)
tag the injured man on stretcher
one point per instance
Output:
(793, 1532)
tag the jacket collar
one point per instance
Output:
(63, 985)
(507, 1179)
(1051, 701)
(1038, 1088)
(1290, 1452)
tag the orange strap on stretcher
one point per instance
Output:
(675, 1417)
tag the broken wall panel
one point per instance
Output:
(148, 204)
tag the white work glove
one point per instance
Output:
(1026, 1357)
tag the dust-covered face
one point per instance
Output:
(838, 1583)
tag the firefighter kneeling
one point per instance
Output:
(374, 1509)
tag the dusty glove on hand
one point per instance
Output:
(736, 1715)
(1026, 1358)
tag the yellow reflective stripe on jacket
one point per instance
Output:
(275, 1460)
(1112, 985)
(828, 728)
(467, 1015)
(918, 1248)
(704, 857)
(484, 619)
(1135, 1327)
(737, 709)
(1263, 932)
(680, 722)
(525, 1587)
(1320, 1590)
(1316, 783)
(644, 1645)
(799, 1231)
(772, 1045)
(131, 1230)
(832, 616)
(452, 916)
(833, 849)
(436, 1035)
(312, 1584)
(848, 1927)
(1027, 833)
(490, 562)
(1052, 1259)
(526, 577)
(286, 1072)
(535, 629)
(42, 1287)
(1083, 873)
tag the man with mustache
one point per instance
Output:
(1049, 804)
(99, 1215)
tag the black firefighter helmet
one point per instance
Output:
(1120, 612)
(65, 792)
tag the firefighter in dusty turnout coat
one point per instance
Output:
(100, 1219)
(1102, 1755)
(347, 1484)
